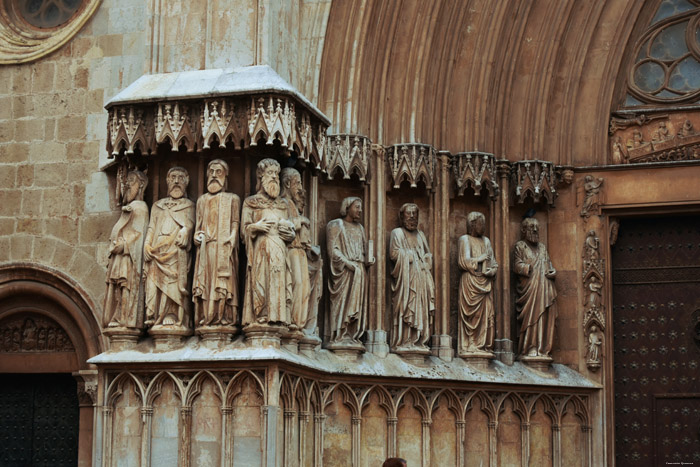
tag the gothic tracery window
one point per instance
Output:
(666, 67)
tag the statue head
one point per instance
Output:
(136, 183)
(530, 230)
(408, 214)
(290, 180)
(177, 180)
(351, 209)
(268, 171)
(217, 175)
(568, 176)
(476, 224)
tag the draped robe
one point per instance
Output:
(124, 269)
(216, 268)
(299, 268)
(413, 289)
(536, 296)
(476, 311)
(346, 248)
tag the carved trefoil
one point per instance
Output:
(535, 178)
(594, 311)
(476, 170)
(348, 154)
(412, 162)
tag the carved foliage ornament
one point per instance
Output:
(535, 178)
(348, 154)
(31, 30)
(475, 169)
(412, 162)
(229, 122)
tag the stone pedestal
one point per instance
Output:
(347, 349)
(216, 334)
(477, 359)
(309, 344)
(538, 363)
(168, 337)
(264, 335)
(503, 350)
(290, 340)
(121, 338)
(442, 347)
(416, 355)
(377, 343)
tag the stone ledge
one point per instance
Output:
(367, 365)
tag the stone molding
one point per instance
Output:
(412, 162)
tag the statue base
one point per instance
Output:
(290, 340)
(216, 334)
(503, 350)
(413, 354)
(538, 363)
(441, 345)
(347, 348)
(264, 335)
(122, 338)
(376, 343)
(309, 344)
(593, 365)
(168, 337)
(478, 359)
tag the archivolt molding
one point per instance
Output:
(21, 42)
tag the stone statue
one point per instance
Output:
(121, 305)
(595, 342)
(536, 293)
(413, 289)
(476, 310)
(348, 284)
(215, 283)
(591, 245)
(293, 193)
(591, 186)
(266, 229)
(166, 252)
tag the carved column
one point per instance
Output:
(226, 448)
(107, 413)
(460, 424)
(289, 416)
(185, 435)
(426, 441)
(391, 423)
(377, 334)
(442, 342)
(319, 420)
(271, 412)
(147, 421)
(587, 444)
(356, 440)
(525, 442)
(493, 444)
(556, 445)
(303, 423)
(503, 343)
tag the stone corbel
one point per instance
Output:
(87, 387)
(347, 154)
(412, 162)
(536, 179)
(475, 169)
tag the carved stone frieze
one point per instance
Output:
(535, 178)
(594, 311)
(348, 154)
(656, 139)
(412, 162)
(475, 169)
(33, 334)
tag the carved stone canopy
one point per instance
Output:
(412, 162)
(475, 169)
(234, 108)
(347, 154)
(535, 178)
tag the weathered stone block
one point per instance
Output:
(7, 130)
(43, 74)
(25, 175)
(31, 202)
(7, 226)
(97, 227)
(10, 201)
(5, 107)
(21, 247)
(58, 201)
(4, 249)
(111, 44)
(44, 249)
(29, 130)
(30, 225)
(64, 228)
(62, 254)
(22, 106)
(50, 174)
(71, 128)
(50, 151)
(21, 79)
(8, 174)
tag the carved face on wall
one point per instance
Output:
(216, 178)
(409, 217)
(271, 181)
(355, 211)
(133, 186)
(531, 231)
(177, 181)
